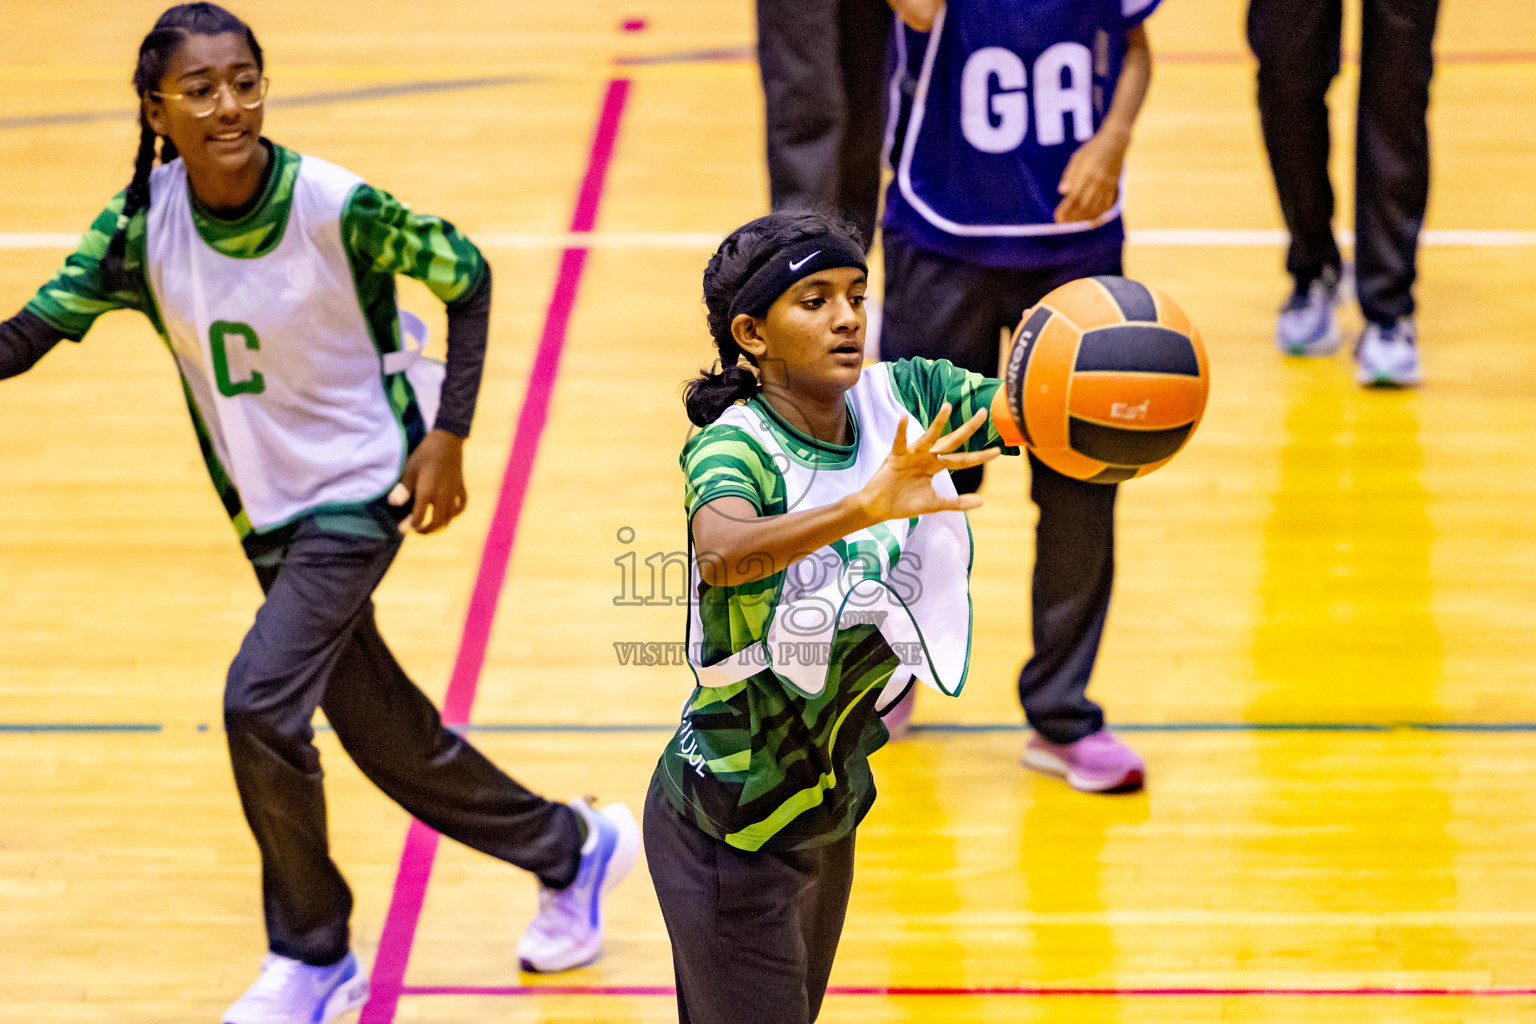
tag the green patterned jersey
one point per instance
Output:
(757, 764)
(381, 237)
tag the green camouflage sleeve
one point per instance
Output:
(922, 385)
(725, 460)
(79, 292)
(387, 237)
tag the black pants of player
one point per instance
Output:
(823, 67)
(753, 934)
(315, 644)
(940, 308)
(1297, 44)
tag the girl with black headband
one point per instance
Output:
(830, 568)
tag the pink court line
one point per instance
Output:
(388, 981)
(905, 990)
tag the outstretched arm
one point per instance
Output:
(1092, 179)
(80, 291)
(734, 545)
(24, 339)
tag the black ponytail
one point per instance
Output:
(741, 255)
(155, 53)
(714, 391)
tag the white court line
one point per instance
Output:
(37, 240)
(707, 240)
(1224, 237)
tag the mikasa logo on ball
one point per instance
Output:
(1127, 411)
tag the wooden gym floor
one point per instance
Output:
(1321, 640)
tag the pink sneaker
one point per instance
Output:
(898, 717)
(1097, 763)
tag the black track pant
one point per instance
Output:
(941, 308)
(314, 643)
(823, 67)
(753, 934)
(1297, 44)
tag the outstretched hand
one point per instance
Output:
(903, 485)
(433, 482)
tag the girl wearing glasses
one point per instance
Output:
(270, 277)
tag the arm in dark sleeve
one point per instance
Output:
(25, 338)
(469, 322)
(385, 236)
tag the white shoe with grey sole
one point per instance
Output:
(1388, 356)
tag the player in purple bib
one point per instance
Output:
(1008, 130)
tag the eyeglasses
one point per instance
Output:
(202, 99)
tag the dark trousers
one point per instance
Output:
(753, 934)
(941, 308)
(1297, 44)
(315, 644)
(823, 68)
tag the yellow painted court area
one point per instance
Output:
(1323, 637)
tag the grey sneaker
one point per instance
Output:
(1307, 325)
(1388, 355)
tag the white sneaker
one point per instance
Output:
(568, 930)
(1388, 356)
(1307, 325)
(293, 992)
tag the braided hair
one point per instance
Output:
(155, 53)
(741, 255)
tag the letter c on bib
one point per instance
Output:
(217, 332)
(994, 122)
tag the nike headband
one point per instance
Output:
(792, 263)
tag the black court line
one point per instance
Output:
(935, 728)
(314, 99)
(714, 55)
(80, 727)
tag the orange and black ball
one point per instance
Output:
(1107, 379)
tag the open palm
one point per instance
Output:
(903, 485)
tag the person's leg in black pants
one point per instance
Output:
(1074, 574)
(395, 735)
(940, 308)
(1074, 565)
(1297, 43)
(314, 642)
(822, 65)
(1392, 152)
(753, 934)
(864, 33)
(806, 107)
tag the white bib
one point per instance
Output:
(910, 581)
(276, 353)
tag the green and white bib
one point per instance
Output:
(277, 355)
(910, 578)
